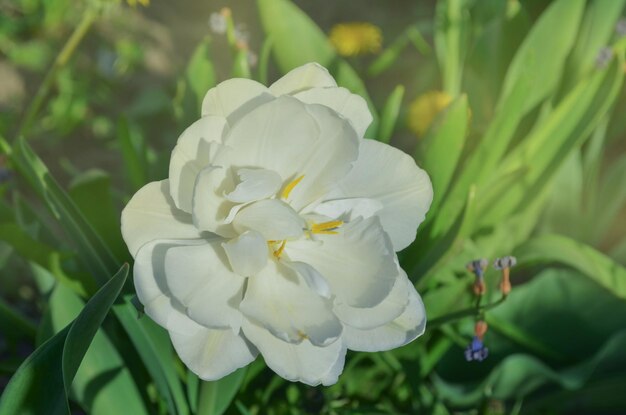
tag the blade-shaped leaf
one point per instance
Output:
(43, 381)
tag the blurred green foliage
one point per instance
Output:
(528, 159)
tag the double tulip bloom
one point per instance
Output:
(276, 232)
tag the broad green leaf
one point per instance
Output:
(103, 383)
(133, 148)
(519, 375)
(99, 260)
(92, 193)
(451, 35)
(297, 39)
(546, 249)
(92, 250)
(561, 316)
(153, 344)
(544, 51)
(610, 200)
(43, 381)
(389, 116)
(443, 145)
(216, 396)
(200, 71)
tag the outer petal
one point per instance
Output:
(195, 149)
(274, 219)
(280, 301)
(302, 362)
(296, 139)
(213, 354)
(389, 309)
(234, 97)
(404, 329)
(151, 214)
(200, 278)
(358, 262)
(307, 76)
(152, 290)
(390, 176)
(351, 106)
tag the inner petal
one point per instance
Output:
(274, 219)
(247, 253)
(255, 184)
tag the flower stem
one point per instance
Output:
(87, 20)
(448, 318)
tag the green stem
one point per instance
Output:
(448, 318)
(87, 20)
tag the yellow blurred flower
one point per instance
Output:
(424, 109)
(134, 3)
(358, 38)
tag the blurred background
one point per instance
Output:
(514, 107)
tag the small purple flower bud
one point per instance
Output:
(604, 57)
(476, 350)
(620, 27)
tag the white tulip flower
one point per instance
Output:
(276, 232)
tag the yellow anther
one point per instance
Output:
(287, 190)
(326, 227)
(279, 251)
(302, 335)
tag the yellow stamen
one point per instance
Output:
(287, 190)
(279, 251)
(326, 227)
(302, 335)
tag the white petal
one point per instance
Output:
(247, 253)
(313, 279)
(195, 149)
(303, 77)
(198, 276)
(358, 262)
(210, 208)
(351, 106)
(151, 214)
(390, 176)
(404, 329)
(349, 209)
(213, 354)
(233, 98)
(255, 184)
(152, 290)
(389, 309)
(280, 301)
(296, 139)
(272, 218)
(301, 362)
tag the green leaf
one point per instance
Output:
(216, 396)
(200, 71)
(596, 30)
(546, 249)
(43, 381)
(390, 113)
(133, 148)
(562, 131)
(544, 51)
(93, 251)
(13, 324)
(451, 35)
(297, 39)
(443, 146)
(92, 193)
